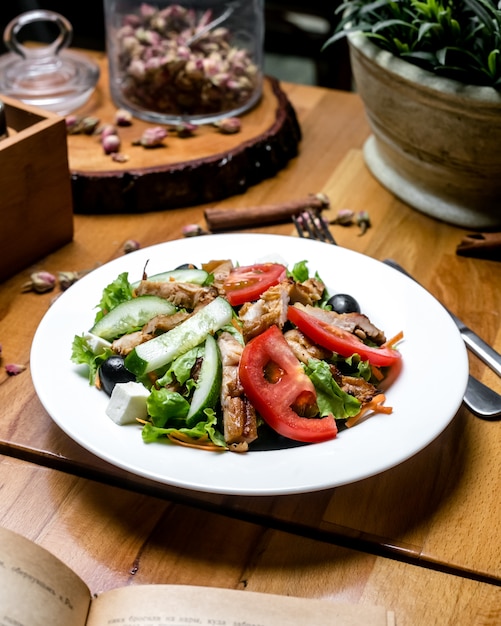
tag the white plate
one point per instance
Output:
(422, 404)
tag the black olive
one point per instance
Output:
(344, 303)
(186, 266)
(113, 371)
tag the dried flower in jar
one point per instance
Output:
(180, 62)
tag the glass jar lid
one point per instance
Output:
(47, 76)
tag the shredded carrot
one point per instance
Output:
(376, 405)
(203, 443)
(377, 373)
(391, 342)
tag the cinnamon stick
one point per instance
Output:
(227, 219)
(481, 246)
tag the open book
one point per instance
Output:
(37, 589)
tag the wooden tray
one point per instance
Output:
(206, 167)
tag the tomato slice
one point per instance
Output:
(276, 384)
(247, 283)
(339, 340)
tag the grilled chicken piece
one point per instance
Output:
(186, 295)
(156, 326)
(356, 323)
(355, 386)
(269, 310)
(307, 292)
(220, 270)
(303, 348)
(126, 343)
(239, 416)
(163, 323)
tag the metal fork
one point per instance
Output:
(312, 225)
(478, 398)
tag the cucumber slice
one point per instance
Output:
(195, 276)
(208, 385)
(161, 350)
(131, 315)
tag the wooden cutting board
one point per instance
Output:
(206, 167)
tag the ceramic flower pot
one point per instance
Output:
(436, 143)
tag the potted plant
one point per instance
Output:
(429, 74)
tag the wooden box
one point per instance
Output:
(36, 209)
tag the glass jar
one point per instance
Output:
(195, 61)
(48, 76)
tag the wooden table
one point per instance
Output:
(439, 510)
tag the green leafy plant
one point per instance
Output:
(459, 39)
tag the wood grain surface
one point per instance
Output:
(112, 538)
(439, 508)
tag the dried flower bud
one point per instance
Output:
(131, 245)
(73, 124)
(40, 282)
(229, 125)
(363, 221)
(66, 279)
(152, 137)
(193, 230)
(123, 118)
(89, 124)
(110, 143)
(185, 129)
(344, 217)
(119, 157)
(107, 129)
(13, 369)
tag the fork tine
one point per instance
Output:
(312, 225)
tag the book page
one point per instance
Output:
(36, 588)
(182, 605)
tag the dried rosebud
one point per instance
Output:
(152, 137)
(193, 230)
(131, 245)
(110, 143)
(66, 279)
(40, 282)
(363, 221)
(13, 369)
(88, 125)
(185, 129)
(119, 157)
(72, 124)
(229, 125)
(344, 217)
(123, 117)
(107, 129)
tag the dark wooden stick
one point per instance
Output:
(227, 219)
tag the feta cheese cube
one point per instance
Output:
(95, 343)
(127, 403)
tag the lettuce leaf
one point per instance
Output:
(167, 407)
(151, 433)
(331, 399)
(180, 368)
(81, 354)
(120, 290)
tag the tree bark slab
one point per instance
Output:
(206, 167)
